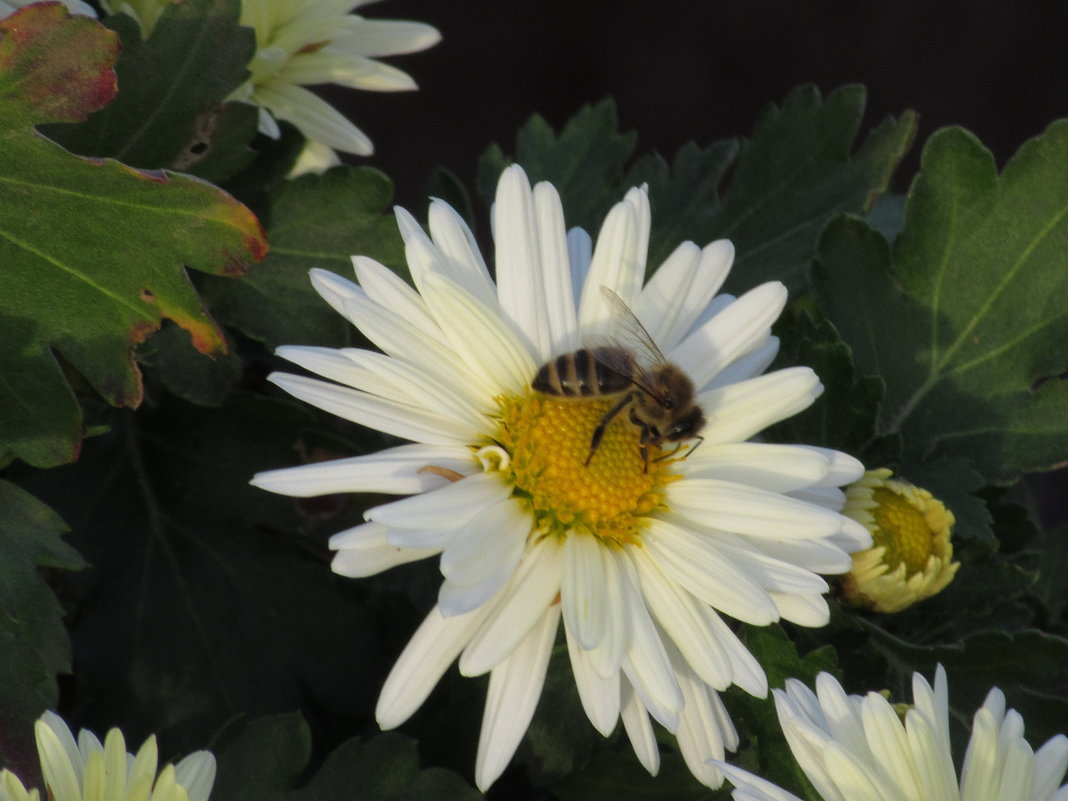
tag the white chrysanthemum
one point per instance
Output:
(85, 770)
(73, 6)
(858, 749)
(639, 558)
(302, 42)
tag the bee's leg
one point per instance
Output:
(699, 439)
(649, 434)
(674, 450)
(598, 433)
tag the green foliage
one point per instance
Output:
(261, 758)
(615, 775)
(966, 316)
(795, 173)
(33, 640)
(93, 251)
(168, 112)
(313, 221)
(204, 588)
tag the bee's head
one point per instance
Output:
(686, 425)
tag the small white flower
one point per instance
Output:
(85, 770)
(302, 42)
(638, 556)
(73, 6)
(858, 749)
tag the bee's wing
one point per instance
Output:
(633, 333)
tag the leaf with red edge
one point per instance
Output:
(91, 251)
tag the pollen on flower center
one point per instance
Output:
(902, 529)
(548, 440)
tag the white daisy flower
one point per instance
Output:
(8, 7)
(859, 749)
(639, 555)
(302, 42)
(85, 770)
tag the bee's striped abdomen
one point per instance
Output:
(578, 375)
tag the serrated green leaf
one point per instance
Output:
(189, 374)
(843, 417)
(92, 250)
(1051, 588)
(796, 172)
(585, 162)
(34, 645)
(385, 768)
(970, 311)
(208, 598)
(313, 221)
(262, 759)
(171, 87)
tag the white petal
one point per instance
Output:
(738, 411)
(535, 586)
(842, 468)
(777, 468)
(736, 331)
(555, 271)
(421, 665)
(694, 563)
(615, 264)
(608, 655)
(479, 336)
(334, 289)
(745, 367)
(1051, 762)
(313, 116)
(386, 37)
(648, 667)
(819, 556)
(753, 787)
(448, 507)
(682, 288)
(58, 767)
(639, 729)
(456, 242)
(581, 581)
(579, 253)
(518, 257)
(514, 688)
(804, 609)
(599, 694)
(196, 773)
(399, 419)
(746, 510)
(390, 291)
(684, 620)
(700, 736)
(366, 550)
(396, 471)
(332, 65)
(493, 539)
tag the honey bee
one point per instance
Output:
(659, 397)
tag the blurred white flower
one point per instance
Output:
(303, 42)
(86, 770)
(859, 749)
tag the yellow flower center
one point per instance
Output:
(548, 442)
(902, 528)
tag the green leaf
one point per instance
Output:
(169, 111)
(585, 162)
(92, 250)
(796, 173)
(313, 221)
(798, 170)
(385, 768)
(186, 372)
(843, 417)
(262, 759)
(966, 318)
(208, 597)
(1052, 589)
(33, 640)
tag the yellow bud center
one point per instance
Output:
(902, 529)
(548, 441)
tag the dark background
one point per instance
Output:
(684, 69)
